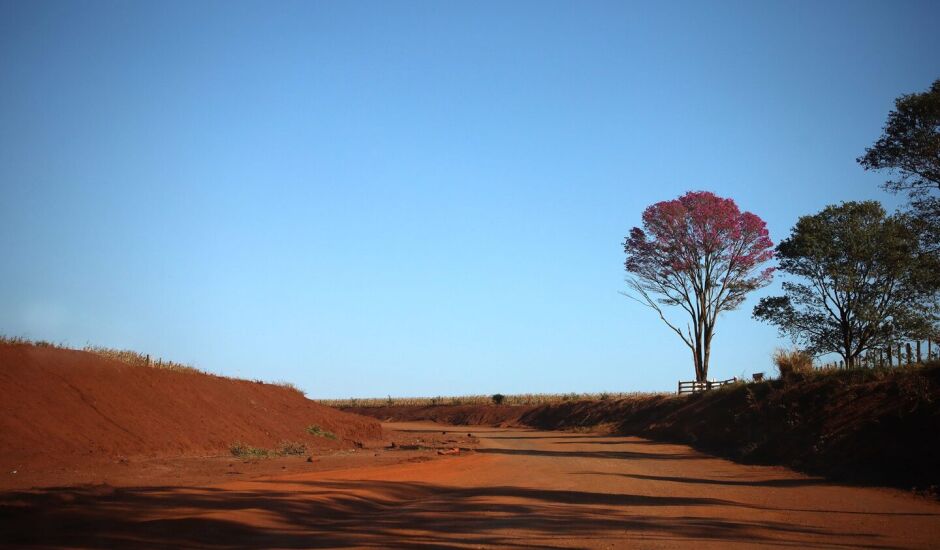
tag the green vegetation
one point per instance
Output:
(242, 450)
(284, 448)
(498, 398)
(291, 448)
(909, 148)
(856, 282)
(313, 429)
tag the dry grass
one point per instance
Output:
(19, 340)
(139, 359)
(519, 399)
(791, 362)
(291, 448)
(290, 386)
(136, 359)
(123, 355)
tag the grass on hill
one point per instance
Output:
(134, 358)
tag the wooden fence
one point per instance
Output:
(697, 387)
(907, 353)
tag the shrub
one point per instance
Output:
(498, 398)
(291, 448)
(313, 429)
(790, 362)
(246, 451)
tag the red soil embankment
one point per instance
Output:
(60, 406)
(872, 426)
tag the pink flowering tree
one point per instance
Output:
(701, 253)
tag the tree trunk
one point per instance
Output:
(706, 356)
(698, 352)
(698, 366)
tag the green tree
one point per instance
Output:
(858, 281)
(909, 150)
(909, 147)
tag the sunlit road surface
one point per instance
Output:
(520, 489)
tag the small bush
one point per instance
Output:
(246, 451)
(498, 398)
(313, 429)
(291, 448)
(790, 362)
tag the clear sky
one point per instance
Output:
(416, 198)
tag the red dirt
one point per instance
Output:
(111, 455)
(866, 426)
(520, 489)
(65, 409)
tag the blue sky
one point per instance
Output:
(416, 198)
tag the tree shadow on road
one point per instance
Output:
(792, 482)
(618, 441)
(622, 455)
(289, 513)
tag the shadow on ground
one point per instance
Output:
(303, 514)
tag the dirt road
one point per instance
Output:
(521, 488)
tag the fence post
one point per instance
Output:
(907, 347)
(918, 352)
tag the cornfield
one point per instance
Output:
(518, 399)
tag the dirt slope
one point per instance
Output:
(59, 407)
(867, 426)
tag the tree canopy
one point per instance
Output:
(859, 281)
(910, 144)
(701, 253)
